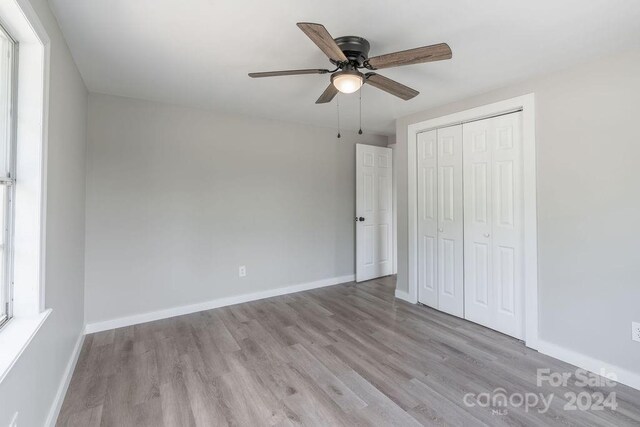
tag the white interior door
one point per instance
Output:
(374, 213)
(427, 218)
(450, 262)
(493, 223)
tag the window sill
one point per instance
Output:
(15, 336)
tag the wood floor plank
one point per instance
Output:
(325, 379)
(89, 417)
(346, 355)
(205, 406)
(176, 409)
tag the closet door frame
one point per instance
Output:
(526, 104)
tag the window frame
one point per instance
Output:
(6, 283)
(31, 115)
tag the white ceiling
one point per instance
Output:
(198, 52)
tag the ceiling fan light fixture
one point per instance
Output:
(347, 81)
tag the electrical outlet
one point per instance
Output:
(14, 420)
(242, 271)
(635, 331)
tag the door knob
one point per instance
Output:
(359, 218)
(486, 234)
(440, 230)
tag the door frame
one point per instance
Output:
(526, 104)
(394, 200)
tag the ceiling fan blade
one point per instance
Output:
(321, 37)
(390, 86)
(329, 93)
(436, 52)
(288, 73)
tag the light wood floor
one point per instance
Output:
(343, 355)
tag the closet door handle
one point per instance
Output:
(486, 234)
(440, 230)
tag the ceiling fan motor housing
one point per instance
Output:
(355, 48)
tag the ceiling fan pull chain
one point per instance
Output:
(360, 93)
(338, 108)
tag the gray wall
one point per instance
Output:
(588, 172)
(178, 198)
(32, 383)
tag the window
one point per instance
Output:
(7, 169)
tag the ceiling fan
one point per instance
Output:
(351, 53)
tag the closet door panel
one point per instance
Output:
(507, 225)
(427, 218)
(493, 230)
(478, 269)
(450, 244)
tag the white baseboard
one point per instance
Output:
(208, 305)
(64, 385)
(404, 296)
(591, 364)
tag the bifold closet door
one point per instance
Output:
(493, 223)
(440, 220)
(427, 218)
(450, 263)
